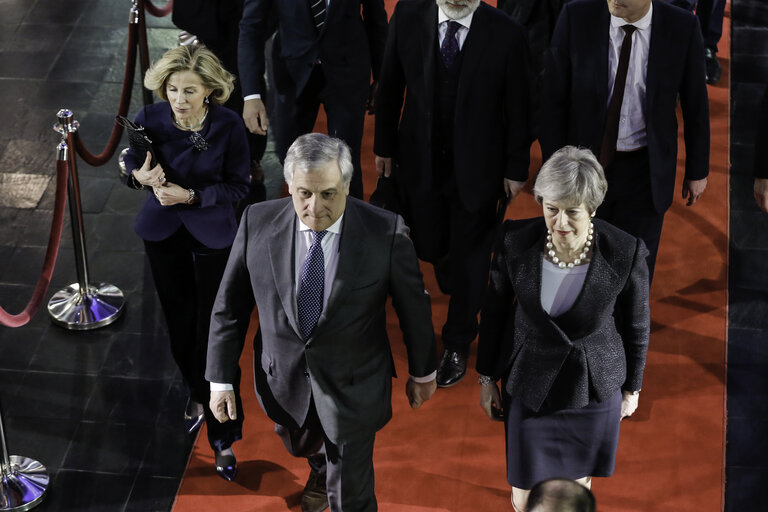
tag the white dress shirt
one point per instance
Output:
(632, 134)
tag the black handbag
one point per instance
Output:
(138, 140)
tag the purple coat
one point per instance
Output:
(219, 175)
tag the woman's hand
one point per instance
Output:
(629, 402)
(490, 401)
(149, 177)
(170, 194)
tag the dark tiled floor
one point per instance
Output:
(101, 409)
(747, 385)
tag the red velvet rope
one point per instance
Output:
(158, 12)
(122, 109)
(50, 255)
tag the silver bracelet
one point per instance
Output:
(485, 380)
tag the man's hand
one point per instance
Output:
(761, 193)
(629, 403)
(692, 190)
(419, 393)
(512, 188)
(383, 166)
(490, 401)
(255, 116)
(223, 406)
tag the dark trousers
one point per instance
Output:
(629, 205)
(187, 276)
(348, 468)
(345, 111)
(458, 243)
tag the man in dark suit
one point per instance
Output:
(461, 144)
(319, 270)
(324, 52)
(632, 127)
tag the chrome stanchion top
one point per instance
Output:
(133, 14)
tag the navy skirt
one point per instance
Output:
(567, 443)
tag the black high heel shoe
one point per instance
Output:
(226, 466)
(192, 420)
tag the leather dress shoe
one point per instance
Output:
(714, 70)
(226, 466)
(315, 495)
(453, 368)
(192, 420)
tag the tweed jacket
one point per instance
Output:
(588, 352)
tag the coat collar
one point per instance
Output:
(282, 252)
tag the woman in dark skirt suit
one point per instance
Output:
(188, 221)
(565, 326)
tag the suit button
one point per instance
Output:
(306, 373)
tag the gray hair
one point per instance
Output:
(315, 150)
(559, 494)
(572, 175)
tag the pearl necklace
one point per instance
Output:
(550, 254)
(190, 128)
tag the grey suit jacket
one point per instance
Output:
(346, 366)
(591, 350)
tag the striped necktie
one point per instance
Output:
(318, 13)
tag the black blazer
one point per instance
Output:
(575, 90)
(590, 351)
(349, 46)
(491, 127)
(346, 366)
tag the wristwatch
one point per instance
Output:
(192, 196)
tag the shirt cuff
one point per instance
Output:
(425, 379)
(218, 386)
(252, 97)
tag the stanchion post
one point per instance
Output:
(143, 49)
(80, 306)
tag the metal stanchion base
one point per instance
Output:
(75, 311)
(25, 487)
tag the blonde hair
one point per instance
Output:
(197, 59)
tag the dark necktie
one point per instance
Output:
(450, 47)
(309, 299)
(611, 133)
(318, 13)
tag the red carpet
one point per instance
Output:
(448, 456)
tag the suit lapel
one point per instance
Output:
(350, 257)
(601, 46)
(282, 252)
(657, 47)
(570, 321)
(428, 40)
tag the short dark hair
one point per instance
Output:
(560, 495)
